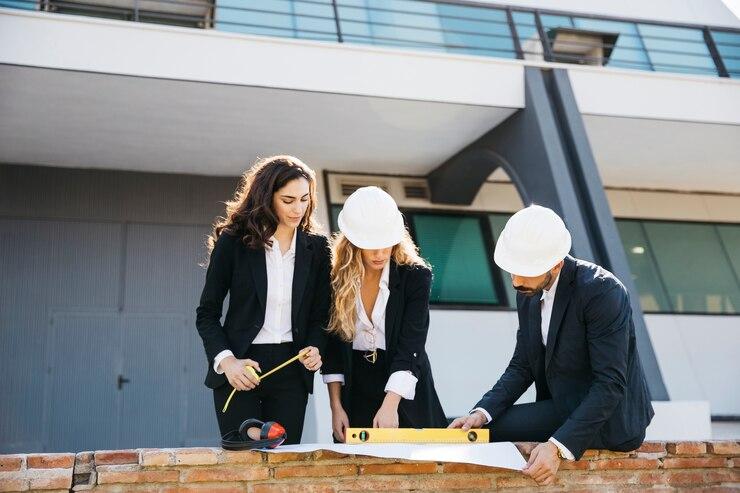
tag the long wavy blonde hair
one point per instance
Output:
(347, 271)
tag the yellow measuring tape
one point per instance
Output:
(260, 378)
(415, 435)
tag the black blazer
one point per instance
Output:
(592, 368)
(242, 272)
(406, 327)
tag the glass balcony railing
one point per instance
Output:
(444, 26)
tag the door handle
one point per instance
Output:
(121, 381)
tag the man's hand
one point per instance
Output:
(543, 463)
(475, 420)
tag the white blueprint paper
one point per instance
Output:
(503, 454)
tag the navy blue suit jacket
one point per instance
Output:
(592, 368)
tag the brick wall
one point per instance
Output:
(698, 466)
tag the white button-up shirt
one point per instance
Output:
(277, 327)
(402, 383)
(547, 300)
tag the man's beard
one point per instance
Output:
(532, 291)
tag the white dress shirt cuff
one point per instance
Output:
(402, 383)
(563, 450)
(485, 413)
(333, 377)
(219, 358)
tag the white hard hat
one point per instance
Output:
(533, 241)
(370, 219)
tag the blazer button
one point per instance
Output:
(414, 355)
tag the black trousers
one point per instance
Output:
(368, 390)
(537, 422)
(281, 397)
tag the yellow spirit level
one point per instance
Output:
(415, 435)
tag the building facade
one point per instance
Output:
(124, 126)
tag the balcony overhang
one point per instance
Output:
(123, 95)
(663, 131)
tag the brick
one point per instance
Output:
(399, 468)
(52, 482)
(106, 477)
(590, 454)
(11, 462)
(277, 457)
(651, 447)
(693, 462)
(110, 457)
(196, 457)
(519, 481)
(202, 488)
(156, 457)
(83, 462)
(610, 454)
(219, 474)
(242, 457)
(50, 461)
(722, 476)
(686, 448)
(291, 488)
(427, 483)
(455, 468)
(685, 477)
(315, 471)
(723, 448)
(574, 465)
(622, 464)
(15, 484)
(571, 478)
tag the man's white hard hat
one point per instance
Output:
(533, 241)
(370, 219)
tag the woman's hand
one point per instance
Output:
(387, 415)
(339, 422)
(237, 373)
(312, 360)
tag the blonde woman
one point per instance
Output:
(375, 364)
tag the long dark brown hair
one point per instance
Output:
(250, 214)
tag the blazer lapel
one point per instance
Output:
(392, 308)
(259, 273)
(562, 298)
(534, 323)
(303, 257)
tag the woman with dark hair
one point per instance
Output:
(377, 367)
(275, 269)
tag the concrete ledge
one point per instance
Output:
(656, 465)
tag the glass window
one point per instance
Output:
(427, 25)
(677, 49)
(529, 37)
(498, 221)
(20, 4)
(653, 296)
(728, 46)
(730, 236)
(334, 212)
(694, 267)
(628, 51)
(283, 18)
(460, 258)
